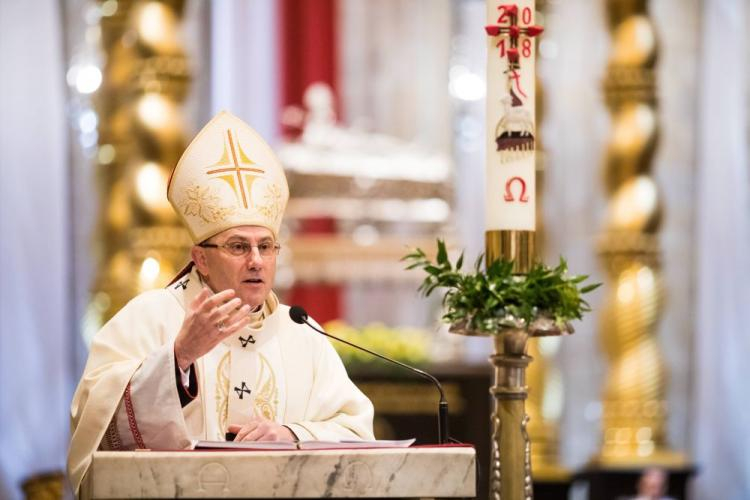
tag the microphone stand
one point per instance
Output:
(443, 405)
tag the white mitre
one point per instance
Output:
(228, 177)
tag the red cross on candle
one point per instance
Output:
(511, 33)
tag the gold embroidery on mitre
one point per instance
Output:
(272, 207)
(222, 393)
(236, 169)
(266, 401)
(204, 203)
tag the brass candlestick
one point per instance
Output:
(510, 458)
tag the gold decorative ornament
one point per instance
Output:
(140, 242)
(202, 203)
(634, 399)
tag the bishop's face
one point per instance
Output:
(250, 275)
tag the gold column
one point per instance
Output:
(634, 406)
(44, 486)
(140, 243)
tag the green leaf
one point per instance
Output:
(432, 270)
(590, 288)
(442, 254)
(478, 262)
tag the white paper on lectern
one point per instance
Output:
(352, 444)
(302, 445)
(246, 445)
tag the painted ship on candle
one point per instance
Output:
(511, 127)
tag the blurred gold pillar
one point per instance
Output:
(44, 486)
(140, 243)
(634, 400)
(544, 383)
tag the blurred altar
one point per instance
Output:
(376, 108)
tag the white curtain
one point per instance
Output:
(394, 64)
(36, 353)
(721, 427)
(245, 63)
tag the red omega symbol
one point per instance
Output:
(523, 198)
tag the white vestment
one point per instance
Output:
(128, 398)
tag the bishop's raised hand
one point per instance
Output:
(209, 319)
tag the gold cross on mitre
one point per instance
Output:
(235, 168)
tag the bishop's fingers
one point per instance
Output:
(217, 299)
(246, 429)
(200, 298)
(233, 326)
(260, 433)
(237, 314)
(224, 311)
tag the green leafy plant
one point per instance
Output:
(486, 301)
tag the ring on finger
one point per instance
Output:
(220, 326)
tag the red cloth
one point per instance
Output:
(308, 49)
(308, 55)
(321, 300)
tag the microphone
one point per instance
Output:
(299, 315)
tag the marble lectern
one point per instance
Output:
(420, 472)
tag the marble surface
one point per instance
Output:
(382, 473)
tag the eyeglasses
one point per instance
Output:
(266, 249)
